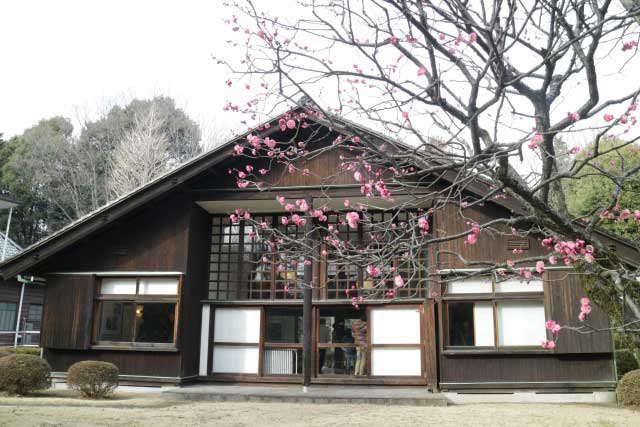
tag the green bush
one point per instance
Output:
(24, 373)
(625, 361)
(628, 390)
(93, 379)
(34, 351)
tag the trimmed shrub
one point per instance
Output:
(625, 362)
(24, 373)
(34, 351)
(628, 390)
(93, 379)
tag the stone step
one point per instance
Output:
(294, 394)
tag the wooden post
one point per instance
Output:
(307, 306)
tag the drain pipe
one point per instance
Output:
(23, 281)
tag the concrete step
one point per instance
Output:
(415, 396)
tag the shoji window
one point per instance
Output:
(236, 340)
(395, 341)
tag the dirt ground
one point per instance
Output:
(150, 410)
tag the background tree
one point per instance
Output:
(502, 83)
(141, 155)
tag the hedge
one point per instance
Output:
(93, 379)
(24, 373)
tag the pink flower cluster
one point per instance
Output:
(423, 224)
(472, 238)
(585, 309)
(238, 215)
(536, 141)
(555, 329)
(623, 214)
(569, 251)
(352, 219)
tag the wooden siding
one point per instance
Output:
(10, 292)
(563, 292)
(67, 317)
(154, 239)
(194, 290)
(526, 369)
(128, 362)
(450, 220)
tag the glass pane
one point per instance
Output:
(158, 286)
(343, 360)
(237, 325)
(483, 324)
(461, 324)
(8, 312)
(116, 322)
(118, 285)
(155, 322)
(395, 326)
(35, 312)
(342, 326)
(396, 361)
(282, 361)
(521, 323)
(284, 325)
(235, 360)
(476, 285)
(516, 285)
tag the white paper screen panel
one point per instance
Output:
(483, 324)
(118, 286)
(395, 326)
(396, 362)
(476, 285)
(521, 323)
(158, 286)
(515, 285)
(237, 325)
(235, 360)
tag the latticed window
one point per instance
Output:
(252, 263)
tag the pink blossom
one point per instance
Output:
(242, 175)
(421, 71)
(585, 301)
(589, 258)
(472, 37)
(373, 271)
(575, 149)
(472, 239)
(347, 203)
(357, 176)
(629, 45)
(243, 184)
(281, 200)
(582, 316)
(263, 171)
(284, 220)
(352, 219)
(282, 123)
(291, 123)
(239, 149)
(553, 260)
(573, 117)
(289, 207)
(608, 117)
(393, 39)
(398, 281)
(355, 139)
(548, 344)
(291, 168)
(405, 115)
(540, 267)
(536, 140)
(271, 143)
(423, 223)
(306, 262)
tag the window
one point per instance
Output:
(236, 340)
(395, 341)
(283, 341)
(35, 313)
(486, 313)
(8, 313)
(244, 265)
(342, 341)
(137, 310)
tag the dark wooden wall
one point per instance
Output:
(194, 290)
(451, 220)
(157, 238)
(67, 312)
(527, 370)
(159, 364)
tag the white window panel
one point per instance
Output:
(521, 323)
(475, 285)
(395, 326)
(237, 325)
(158, 286)
(516, 285)
(396, 362)
(118, 286)
(483, 324)
(235, 360)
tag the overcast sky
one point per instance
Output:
(70, 57)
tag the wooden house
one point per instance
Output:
(161, 283)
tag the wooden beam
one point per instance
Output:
(307, 307)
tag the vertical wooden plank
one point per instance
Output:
(431, 353)
(204, 340)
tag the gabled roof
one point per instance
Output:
(101, 217)
(13, 248)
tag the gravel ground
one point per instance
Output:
(149, 410)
